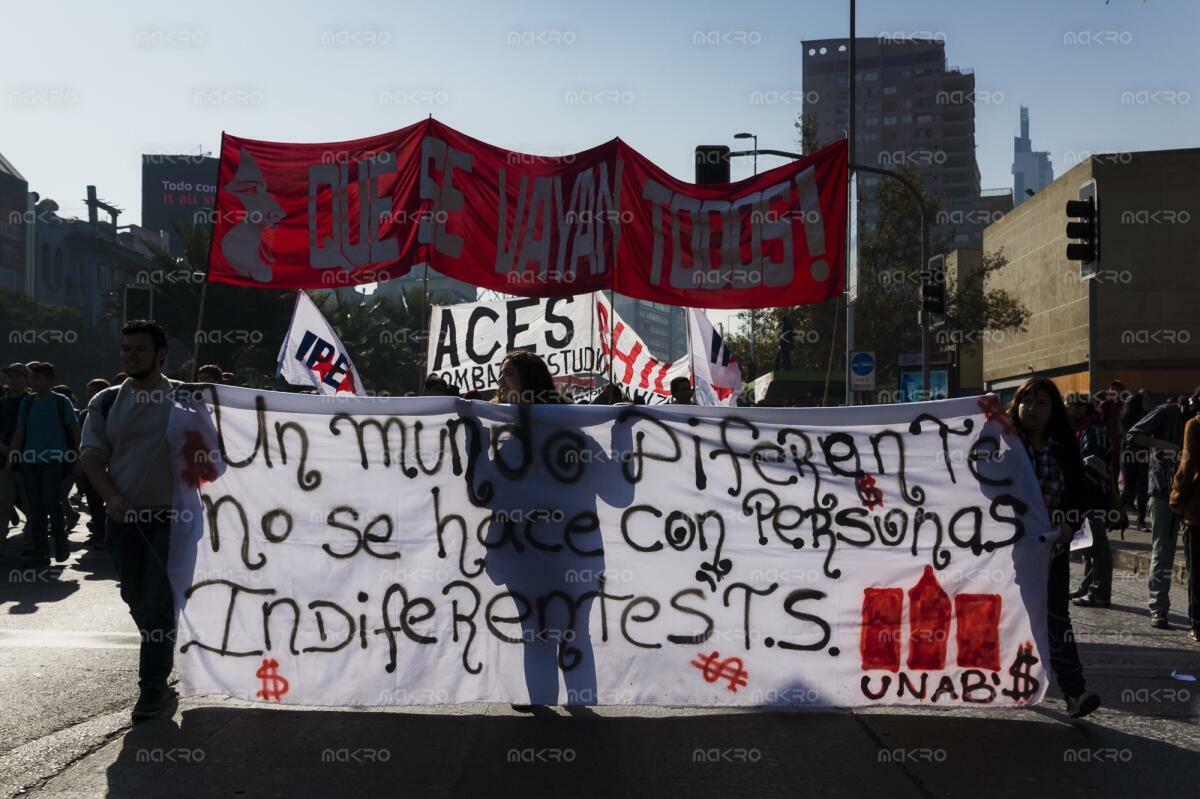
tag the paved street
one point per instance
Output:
(67, 681)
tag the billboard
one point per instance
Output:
(177, 188)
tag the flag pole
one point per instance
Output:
(196, 336)
(425, 321)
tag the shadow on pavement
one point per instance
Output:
(25, 588)
(250, 752)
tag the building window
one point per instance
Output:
(871, 76)
(889, 120)
(872, 136)
(906, 119)
(907, 103)
(889, 90)
(924, 118)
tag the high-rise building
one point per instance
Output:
(1031, 170)
(662, 327)
(912, 109)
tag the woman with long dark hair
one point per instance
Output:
(525, 379)
(1040, 418)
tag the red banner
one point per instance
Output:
(324, 215)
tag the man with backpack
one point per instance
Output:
(46, 443)
(127, 460)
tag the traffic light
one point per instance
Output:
(933, 290)
(712, 164)
(1083, 228)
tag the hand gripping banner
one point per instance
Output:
(292, 216)
(364, 551)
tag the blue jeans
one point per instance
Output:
(139, 552)
(43, 498)
(1165, 526)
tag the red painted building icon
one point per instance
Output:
(976, 619)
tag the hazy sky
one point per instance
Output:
(88, 87)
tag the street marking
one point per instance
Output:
(68, 639)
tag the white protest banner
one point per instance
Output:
(313, 355)
(467, 343)
(375, 551)
(716, 376)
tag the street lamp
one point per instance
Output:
(750, 136)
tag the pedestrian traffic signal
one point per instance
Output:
(712, 164)
(1083, 229)
(933, 290)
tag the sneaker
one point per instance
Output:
(1078, 592)
(1159, 619)
(1145, 528)
(1083, 704)
(153, 701)
(1194, 635)
(62, 551)
(1091, 601)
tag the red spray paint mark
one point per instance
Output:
(274, 684)
(977, 630)
(730, 668)
(880, 643)
(197, 468)
(993, 412)
(871, 496)
(928, 623)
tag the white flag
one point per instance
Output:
(716, 376)
(762, 385)
(313, 355)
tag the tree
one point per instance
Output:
(886, 313)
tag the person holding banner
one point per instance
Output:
(1040, 418)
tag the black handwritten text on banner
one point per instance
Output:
(362, 551)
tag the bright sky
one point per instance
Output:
(88, 87)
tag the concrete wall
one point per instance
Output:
(1148, 289)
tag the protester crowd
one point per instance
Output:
(1097, 465)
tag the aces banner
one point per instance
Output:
(292, 216)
